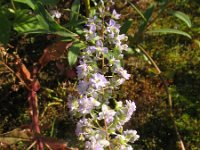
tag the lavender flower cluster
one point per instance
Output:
(100, 73)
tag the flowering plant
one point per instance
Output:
(100, 72)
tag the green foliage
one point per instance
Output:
(42, 20)
(5, 28)
(127, 24)
(74, 52)
(170, 31)
(185, 18)
(177, 57)
(75, 11)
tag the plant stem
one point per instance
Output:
(13, 5)
(87, 7)
(17, 75)
(106, 130)
(168, 96)
(33, 106)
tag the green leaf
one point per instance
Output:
(137, 10)
(30, 3)
(16, 136)
(74, 52)
(24, 23)
(148, 13)
(41, 23)
(127, 24)
(49, 2)
(197, 42)
(5, 27)
(182, 16)
(75, 11)
(50, 24)
(170, 31)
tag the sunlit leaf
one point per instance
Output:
(25, 23)
(74, 52)
(42, 22)
(169, 31)
(30, 3)
(197, 42)
(16, 136)
(182, 16)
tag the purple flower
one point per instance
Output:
(91, 49)
(131, 107)
(107, 114)
(82, 70)
(115, 15)
(120, 81)
(82, 87)
(122, 72)
(72, 103)
(113, 25)
(131, 135)
(90, 36)
(87, 104)
(98, 81)
(92, 27)
(93, 145)
(122, 37)
(97, 141)
(96, 144)
(79, 127)
(100, 47)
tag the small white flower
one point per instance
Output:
(86, 105)
(131, 107)
(72, 104)
(107, 114)
(98, 81)
(55, 14)
(131, 135)
(127, 147)
(122, 72)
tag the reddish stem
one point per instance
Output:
(33, 104)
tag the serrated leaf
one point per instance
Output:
(170, 31)
(182, 16)
(5, 28)
(74, 52)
